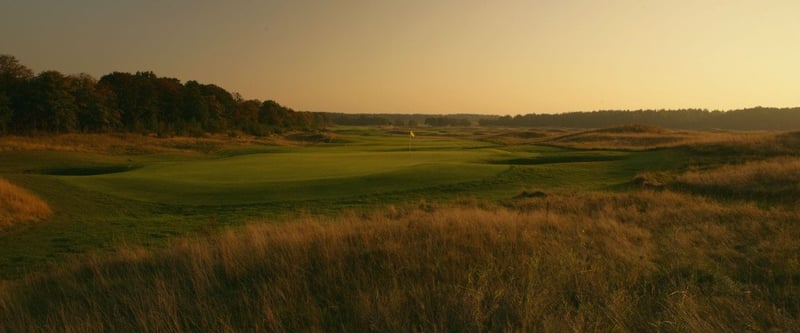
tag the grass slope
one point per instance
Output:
(18, 205)
(299, 175)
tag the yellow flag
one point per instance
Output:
(411, 134)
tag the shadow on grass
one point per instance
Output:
(560, 159)
(86, 171)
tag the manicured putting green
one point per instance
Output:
(290, 176)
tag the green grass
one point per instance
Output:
(300, 175)
(101, 201)
(364, 232)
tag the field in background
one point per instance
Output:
(361, 229)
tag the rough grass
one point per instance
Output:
(738, 148)
(764, 167)
(126, 143)
(18, 205)
(642, 137)
(642, 261)
(775, 178)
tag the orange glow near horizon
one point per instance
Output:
(510, 57)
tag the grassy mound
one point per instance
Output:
(622, 137)
(642, 261)
(290, 176)
(18, 205)
(776, 179)
(761, 167)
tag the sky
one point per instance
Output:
(427, 56)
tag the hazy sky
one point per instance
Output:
(498, 57)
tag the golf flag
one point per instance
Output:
(411, 134)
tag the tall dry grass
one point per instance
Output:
(641, 261)
(18, 205)
(775, 177)
(641, 137)
(742, 147)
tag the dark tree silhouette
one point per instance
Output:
(52, 106)
(14, 80)
(758, 118)
(96, 105)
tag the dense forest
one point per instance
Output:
(142, 102)
(758, 118)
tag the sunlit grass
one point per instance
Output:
(776, 178)
(291, 176)
(642, 137)
(19, 205)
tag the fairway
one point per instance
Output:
(371, 164)
(290, 176)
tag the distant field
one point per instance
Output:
(105, 193)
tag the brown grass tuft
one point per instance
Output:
(18, 205)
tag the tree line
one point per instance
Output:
(140, 102)
(446, 121)
(402, 120)
(757, 118)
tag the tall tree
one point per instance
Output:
(53, 107)
(14, 79)
(137, 98)
(170, 94)
(195, 106)
(221, 106)
(5, 113)
(246, 116)
(12, 72)
(96, 105)
(272, 114)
